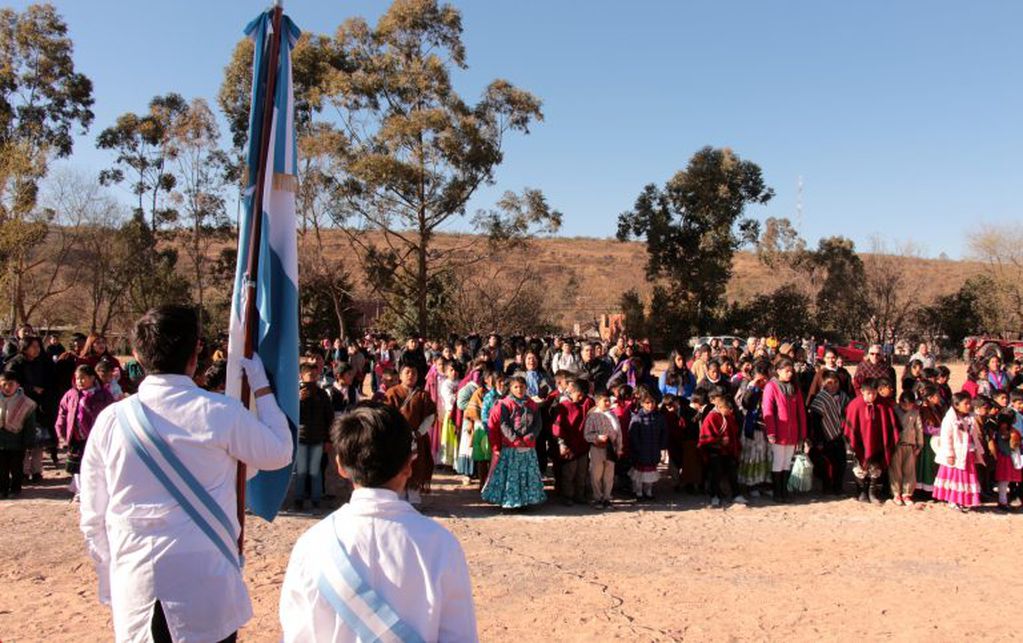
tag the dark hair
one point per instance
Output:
(929, 390)
(1016, 395)
(907, 396)
(85, 369)
(718, 393)
(699, 396)
(602, 395)
(943, 371)
(762, 368)
(930, 373)
(104, 366)
(981, 402)
(341, 368)
(373, 442)
(784, 362)
(960, 397)
(28, 340)
(643, 394)
(307, 366)
(165, 339)
(869, 385)
(829, 375)
(623, 391)
(579, 386)
(9, 376)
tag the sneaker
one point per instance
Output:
(754, 493)
(299, 506)
(606, 504)
(715, 502)
(597, 504)
(740, 500)
(953, 506)
(38, 477)
(898, 501)
(414, 497)
(1003, 508)
(907, 501)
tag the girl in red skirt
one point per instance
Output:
(1005, 448)
(959, 448)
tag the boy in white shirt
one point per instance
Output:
(376, 568)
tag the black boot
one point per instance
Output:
(874, 493)
(861, 491)
(785, 475)
(779, 491)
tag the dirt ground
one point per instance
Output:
(673, 569)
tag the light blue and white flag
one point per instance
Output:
(277, 339)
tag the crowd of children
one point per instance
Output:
(725, 421)
(728, 421)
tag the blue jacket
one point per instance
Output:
(648, 435)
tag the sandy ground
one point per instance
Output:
(674, 569)
(668, 570)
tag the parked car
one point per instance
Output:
(987, 347)
(850, 352)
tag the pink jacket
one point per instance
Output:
(78, 411)
(784, 416)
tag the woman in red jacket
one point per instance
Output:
(784, 423)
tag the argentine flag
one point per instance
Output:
(277, 277)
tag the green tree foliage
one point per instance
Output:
(949, 319)
(140, 143)
(785, 312)
(202, 170)
(417, 151)
(839, 273)
(43, 101)
(693, 227)
(631, 305)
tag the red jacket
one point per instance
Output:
(569, 422)
(784, 415)
(872, 430)
(713, 431)
(624, 415)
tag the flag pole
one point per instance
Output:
(250, 320)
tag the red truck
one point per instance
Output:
(850, 352)
(987, 347)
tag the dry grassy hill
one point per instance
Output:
(586, 277)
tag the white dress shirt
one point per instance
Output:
(412, 562)
(145, 546)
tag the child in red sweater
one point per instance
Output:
(719, 444)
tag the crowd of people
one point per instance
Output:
(735, 422)
(52, 395)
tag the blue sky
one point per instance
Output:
(902, 118)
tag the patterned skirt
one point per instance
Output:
(958, 486)
(926, 467)
(463, 462)
(755, 460)
(515, 481)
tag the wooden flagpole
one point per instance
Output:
(250, 320)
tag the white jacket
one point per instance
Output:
(958, 436)
(411, 561)
(144, 545)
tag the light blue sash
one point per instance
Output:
(361, 608)
(179, 482)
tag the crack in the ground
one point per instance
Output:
(617, 602)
